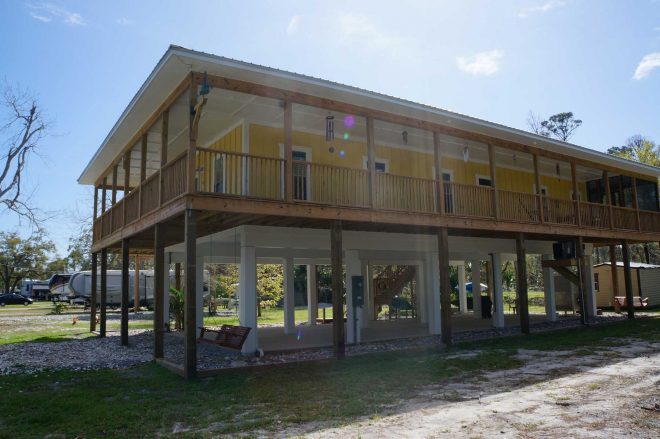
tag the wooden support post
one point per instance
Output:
(94, 296)
(608, 197)
(635, 203)
(164, 132)
(445, 285)
(136, 285)
(615, 278)
(288, 152)
(104, 196)
(371, 162)
(338, 336)
(627, 275)
(114, 184)
(521, 283)
(190, 306)
(576, 195)
(143, 157)
(539, 192)
(159, 289)
(439, 182)
(125, 248)
(192, 136)
(493, 181)
(127, 172)
(104, 291)
(96, 202)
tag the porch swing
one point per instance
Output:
(228, 336)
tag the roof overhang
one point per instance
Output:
(177, 62)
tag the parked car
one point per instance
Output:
(14, 299)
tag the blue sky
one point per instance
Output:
(496, 60)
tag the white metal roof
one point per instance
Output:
(632, 265)
(177, 62)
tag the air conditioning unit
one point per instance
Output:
(564, 249)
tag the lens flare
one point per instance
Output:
(346, 136)
(349, 121)
(342, 153)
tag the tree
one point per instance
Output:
(80, 250)
(22, 258)
(22, 128)
(561, 126)
(270, 279)
(639, 149)
(57, 265)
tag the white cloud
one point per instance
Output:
(648, 63)
(123, 21)
(361, 31)
(482, 63)
(47, 12)
(294, 24)
(541, 8)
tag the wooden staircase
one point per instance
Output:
(389, 284)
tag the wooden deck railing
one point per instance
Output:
(468, 200)
(624, 218)
(398, 192)
(594, 215)
(250, 176)
(518, 206)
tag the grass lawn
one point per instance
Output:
(148, 400)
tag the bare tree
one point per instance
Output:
(534, 122)
(21, 129)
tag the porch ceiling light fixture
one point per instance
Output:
(404, 134)
(205, 88)
(558, 171)
(466, 153)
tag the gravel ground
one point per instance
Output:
(107, 353)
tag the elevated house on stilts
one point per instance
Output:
(221, 161)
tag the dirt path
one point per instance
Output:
(559, 394)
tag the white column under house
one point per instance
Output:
(312, 295)
(496, 288)
(247, 309)
(354, 314)
(289, 297)
(549, 291)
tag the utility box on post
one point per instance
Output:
(357, 283)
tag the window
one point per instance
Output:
(484, 181)
(219, 174)
(382, 165)
(300, 175)
(596, 283)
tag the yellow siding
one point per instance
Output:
(266, 141)
(230, 142)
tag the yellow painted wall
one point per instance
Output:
(230, 142)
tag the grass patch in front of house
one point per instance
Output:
(149, 401)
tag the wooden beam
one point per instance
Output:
(338, 337)
(521, 283)
(445, 286)
(288, 152)
(104, 196)
(371, 161)
(114, 185)
(104, 291)
(493, 181)
(125, 257)
(627, 276)
(143, 157)
(581, 271)
(439, 182)
(192, 141)
(635, 202)
(615, 276)
(164, 135)
(94, 297)
(159, 290)
(190, 313)
(568, 275)
(608, 196)
(177, 276)
(576, 195)
(539, 192)
(96, 202)
(554, 263)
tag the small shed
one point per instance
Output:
(645, 282)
